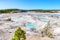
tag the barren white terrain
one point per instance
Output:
(32, 23)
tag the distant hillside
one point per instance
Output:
(19, 10)
(11, 11)
(46, 11)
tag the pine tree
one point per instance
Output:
(19, 34)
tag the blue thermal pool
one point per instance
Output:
(43, 19)
(30, 25)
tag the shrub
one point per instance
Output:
(19, 34)
(8, 19)
(50, 35)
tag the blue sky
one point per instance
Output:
(30, 4)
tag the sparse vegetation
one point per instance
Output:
(19, 34)
(50, 35)
(47, 31)
(8, 19)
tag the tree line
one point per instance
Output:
(19, 10)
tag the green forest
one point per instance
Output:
(8, 10)
(19, 10)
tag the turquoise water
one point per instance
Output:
(43, 19)
(30, 25)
